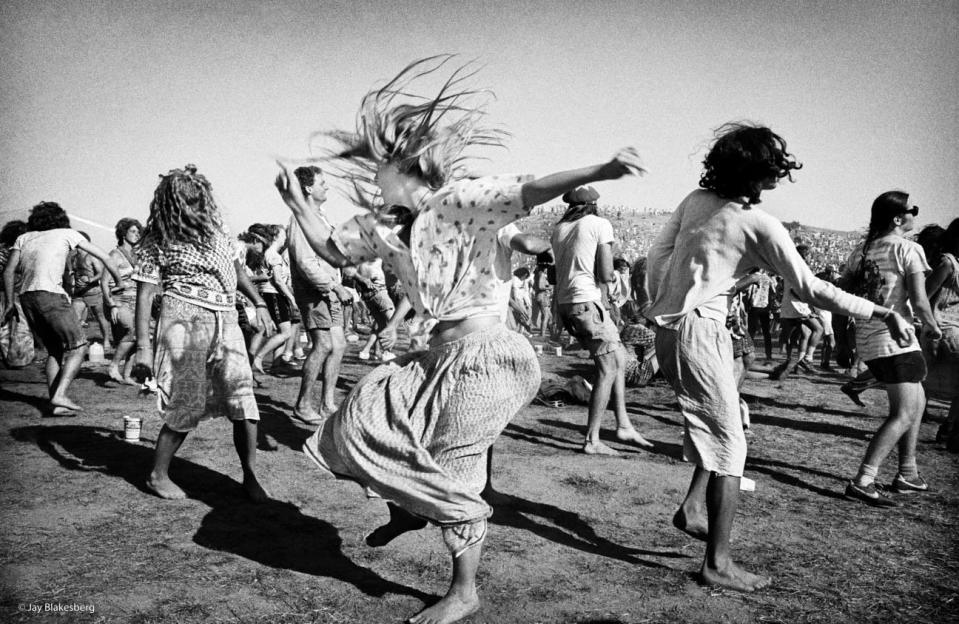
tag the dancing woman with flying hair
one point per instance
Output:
(416, 432)
(200, 365)
(715, 237)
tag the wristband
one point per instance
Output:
(262, 304)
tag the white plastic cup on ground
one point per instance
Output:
(559, 351)
(131, 428)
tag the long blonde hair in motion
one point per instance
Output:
(427, 137)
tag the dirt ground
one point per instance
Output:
(578, 539)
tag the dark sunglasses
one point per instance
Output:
(914, 211)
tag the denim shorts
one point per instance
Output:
(590, 323)
(52, 317)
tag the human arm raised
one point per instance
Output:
(539, 191)
(316, 232)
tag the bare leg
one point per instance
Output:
(119, 359)
(690, 518)
(722, 498)
(271, 344)
(168, 442)
(312, 366)
(598, 400)
(244, 439)
(400, 522)
(625, 431)
(906, 402)
(331, 368)
(68, 369)
(461, 600)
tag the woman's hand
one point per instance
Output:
(900, 329)
(114, 314)
(387, 337)
(263, 321)
(626, 162)
(142, 364)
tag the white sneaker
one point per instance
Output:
(363, 355)
(387, 357)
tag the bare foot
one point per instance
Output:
(307, 417)
(254, 490)
(631, 436)
(257, 366)
(598, 448)
(115, 374)
(733, 577)
(400, 522)
(129, 381)
(451, 608)
(164, 488)
(62, 411)
(329, 408)
(65, 403)
(692, 525)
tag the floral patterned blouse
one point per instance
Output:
(449, 269)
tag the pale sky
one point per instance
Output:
(100, 97)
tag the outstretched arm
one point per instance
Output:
(541, 190)
(314, 230)
(528, 244)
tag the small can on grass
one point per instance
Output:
(131, 428)
(559, 351)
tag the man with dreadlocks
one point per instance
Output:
(201, 366)
(415, 432)
(582, 245)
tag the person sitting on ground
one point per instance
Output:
(582, 245)
(41, 254)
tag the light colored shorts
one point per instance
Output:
(591, 324)
(697, 359)
(201, 366)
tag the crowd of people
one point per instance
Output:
(201, 314)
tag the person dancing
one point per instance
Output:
(416, 432)
(201, 364)
(715, 236)
(893, 270)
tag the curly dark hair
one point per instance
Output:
(307, 175)
(47, 216)
(11, 231)
(742, 158)
(123, 225)
(950, 240)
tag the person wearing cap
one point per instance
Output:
(891, 271)
(582, 244)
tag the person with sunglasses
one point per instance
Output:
(416, 432)
(891, 270)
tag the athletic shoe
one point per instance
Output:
(869, 494)
(901, 486)
(363, 355)
(804, 366)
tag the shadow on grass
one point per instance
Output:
(39, 402)
(570, 530)
(674, 451)
(274, 534)
(275, 422)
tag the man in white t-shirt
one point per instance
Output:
(582, 246)
(41, 255)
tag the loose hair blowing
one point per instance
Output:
(183, 210)
(123, 225)
(742, 158)
(426, 137)
(47, 216)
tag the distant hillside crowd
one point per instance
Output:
(636, 229)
